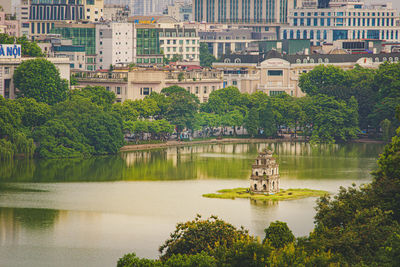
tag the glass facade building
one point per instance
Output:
(43, 14)
(242, 11)
(148, 46)
(80, 36)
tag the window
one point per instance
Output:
(146, 91)
(275, 73)
(118, 90)
(274, 93)
(205, 89)
(197, 90)
(234, 82)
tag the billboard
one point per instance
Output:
(10, 51)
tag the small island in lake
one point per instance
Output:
(282, 195)
(264, 184)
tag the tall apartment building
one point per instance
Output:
(343, 20)
(38, 16)
(114, 44)
(243, 11)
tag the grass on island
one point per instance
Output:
(282, 195)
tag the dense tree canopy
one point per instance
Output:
(40, 79)
(376, 91)
(206, 58)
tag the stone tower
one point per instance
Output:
(265, 174)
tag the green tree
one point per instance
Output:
(251, 122)
(243, 253)
(364, 90)
(385, 109)
(267, 119)
(331, 119)
(182, 107)
(225, 100)
(131, 260)
(328, 80)
(386, 126)
(387, 80)
(206, 58)
(40, 79)
(97, 94)
(278, 234)
(201, 235)
(79, 128)
(386, 183)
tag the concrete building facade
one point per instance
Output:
(114, 44)
(343, 21)
(180, 41)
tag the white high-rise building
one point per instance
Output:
(114, 44)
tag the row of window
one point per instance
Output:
(149, 60)
(326, 60)
(338, 14)
(58, 12)
(180, 34)
(41, 27)
(342, 22)
(174, 49)
(180, 42)
(341, 34)
(197, 88)
(187, 56)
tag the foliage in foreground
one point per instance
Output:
(357, 227)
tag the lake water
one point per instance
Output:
(90, 212)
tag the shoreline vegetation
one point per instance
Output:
(174, 143)
(284, 194)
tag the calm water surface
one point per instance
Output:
(90, 212)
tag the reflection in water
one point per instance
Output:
(298, 160)
(89, 212)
